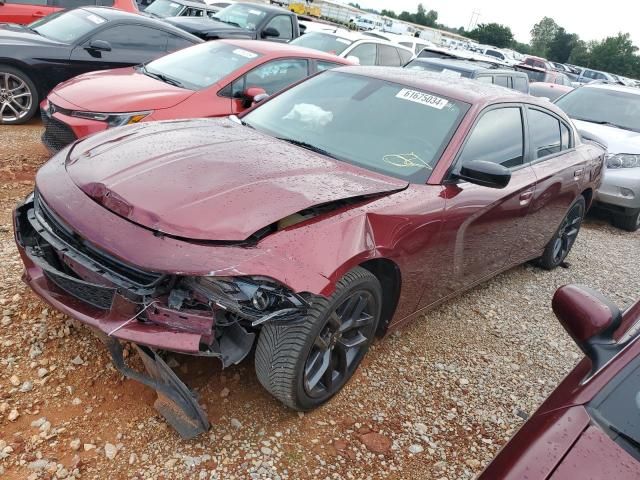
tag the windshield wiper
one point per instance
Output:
(228, 22)
(625, 436)
(161, 77)
(604, 122)
(307, 146)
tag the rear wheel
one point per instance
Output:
(560, 245)
(18, 96)
(630, 223)
(304, 363)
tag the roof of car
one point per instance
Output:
(465, 65)
(463, 89)
(265, 7)
(275, 48)
(614, 87)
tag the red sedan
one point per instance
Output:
(27, 11)
(589, 427)
(209, 80)
(336, 210)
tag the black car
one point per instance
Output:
(486, 72)
(180, 8)
(243, 20)
(36, 57)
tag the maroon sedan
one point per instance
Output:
(343, 207)
(589, 427)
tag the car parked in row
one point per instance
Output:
(550, 91)
(358, 47)
(612, 113)
(180, 8)
(36, 58)
(208, 80)
(307, 226)
(243, 20)
(28, 11)
(536, 74)
(589, 427)
(537, 62)
(589, 75)
(480, 71)
(416, 44)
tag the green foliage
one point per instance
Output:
(542, 34)
(492, 34)
(561, 46)
(616, 55)
(421, 17)
(388, 13)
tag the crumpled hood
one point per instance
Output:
(120, 90)
(211, 179)
(618, 140)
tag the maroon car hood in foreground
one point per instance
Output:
(226, 181)
(135, 92)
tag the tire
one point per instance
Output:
(563, 239)
(19, 102)
(630, 223)
(289, 352)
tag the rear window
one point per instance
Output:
(534, 75)
(437, 67)
(323, 41)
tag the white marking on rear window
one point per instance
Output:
(422, 98)
(245, 53)
(95, 19)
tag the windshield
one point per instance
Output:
(323, 42)
(243, 16)
(602, 105)
(355, 119)
(534, 75)
(67, 27)
(164, 8)
(202, 65)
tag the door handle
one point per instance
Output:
(578, 173)
(526, 196)
(38, 14)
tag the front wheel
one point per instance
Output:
(18, 96)
(630, 223)
(560, 245)
(305, 362)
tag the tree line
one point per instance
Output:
(616, 54)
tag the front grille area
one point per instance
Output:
(56, 135)
(96, 295)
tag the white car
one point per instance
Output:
(414, 43)
(612, 113)
(362, 49)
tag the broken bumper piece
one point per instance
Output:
(175, 402)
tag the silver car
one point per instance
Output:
(612, 113)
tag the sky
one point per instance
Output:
(590, 19)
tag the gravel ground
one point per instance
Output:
(435, 401)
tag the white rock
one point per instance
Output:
(76, 401)
(26, 386)
(88, 446)
(14, 380)
(415, 448)
(266, 450)
(464, 381)
(110, 450)
(43, 372)
(38, 423)
(235, 423)
(75, 444)
(13, 415)
(225, 392)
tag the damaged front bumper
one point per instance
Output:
(208, 316)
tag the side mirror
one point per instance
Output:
(487, 174)
(99, 46)
(253, 95)
(591, 319)
(1, 2)
(270, 32)
(354, 59)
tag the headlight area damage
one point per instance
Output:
(206, 316)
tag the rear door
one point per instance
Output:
(484, 225)
(24, 11)
(560, 171)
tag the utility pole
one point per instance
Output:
(475, 16)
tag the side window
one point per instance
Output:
(520, 84)
(366, 53)
(193, 12)
(388, 56)
(405, 56)
(282, 23)
(501, 80)
(272, 76)
(544, 131)
(419, 47)
(322, 65)
(497, 138)
(175, 42)
(69, 4)
(134, 37)
(565, 134)
(485, 79)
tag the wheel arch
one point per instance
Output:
(588, 197)
(26, 70)
(388, 274)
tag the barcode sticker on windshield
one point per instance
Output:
(422, 98)
(245, 53)
(95, 19)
